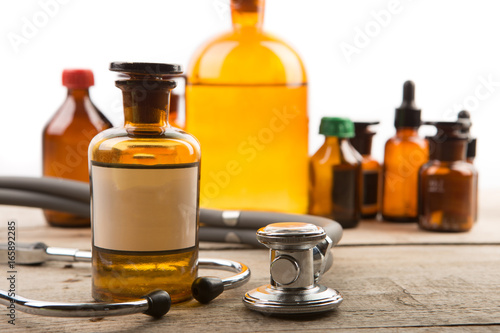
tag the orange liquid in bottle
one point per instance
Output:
(405, 153)
(246, 101)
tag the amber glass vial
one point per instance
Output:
(372, 171)
(246, 101)
(464, 117)
(335, 174)
(404, 154)
(447, 182)
(145, 186)
(66, 139)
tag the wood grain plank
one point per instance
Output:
(383, 286)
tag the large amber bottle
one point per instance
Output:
(246, 101)
(145, 186)
(66, 138)
(404, 155)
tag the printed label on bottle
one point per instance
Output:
(370, 187)
(144, 208)
(345, 196)
(344, 191)
(436, 184)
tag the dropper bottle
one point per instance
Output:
(447, 181)
(470, 156)
(405, 153)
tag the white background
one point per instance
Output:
(447, 47)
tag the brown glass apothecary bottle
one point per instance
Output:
(447, 181)
(66, 138)
(470, 157)
(370, 196)
(145, 189)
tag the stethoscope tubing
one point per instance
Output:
(155, 304)
(56, 309)
(217, 226)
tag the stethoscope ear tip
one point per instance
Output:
(205, 289)
(158, 303)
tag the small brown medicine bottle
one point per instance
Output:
(371, 168)
(144, 192)
(335, 174)
(404, 154)
(470, 157)
(66, 138)
(446, 183)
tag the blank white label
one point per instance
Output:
(144, 209)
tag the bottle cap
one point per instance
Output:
(334, 126)
(363, 126)
(441, 145)
(408, 115)
(448, 130)
(464, 118)
(247, 5)
(362, 140)
(77, 78)
(145, 68)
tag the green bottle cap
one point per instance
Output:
(334, 126)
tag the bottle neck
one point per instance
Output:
(247, 14)
(145, 104)
(448, 151)
(78, 94)
(406, 132)
(333, 140)
(363, 143)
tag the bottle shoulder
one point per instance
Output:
(76, 115)
(168, 145)
(336, 154)
(454, 168)
(406, 141)
(370, 163)
(254, 57)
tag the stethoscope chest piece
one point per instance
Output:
(299, 254)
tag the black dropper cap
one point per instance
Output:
(408, 115)
(464, 118)
(362, 140)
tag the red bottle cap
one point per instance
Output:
(77, 78)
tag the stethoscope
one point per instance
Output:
(155, 304)
(299, 251)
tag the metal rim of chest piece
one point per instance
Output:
(293, 288)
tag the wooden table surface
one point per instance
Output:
(394, 278)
